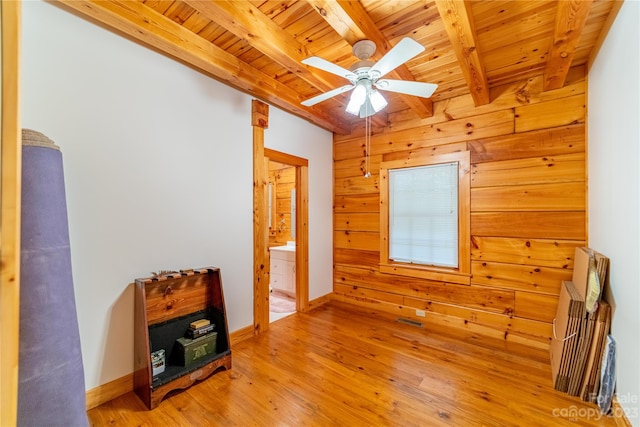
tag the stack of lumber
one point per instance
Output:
(580, 327)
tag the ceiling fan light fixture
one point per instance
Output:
(377, 100)
(358, 96)
(366, 109)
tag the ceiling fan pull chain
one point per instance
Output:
(367, 140)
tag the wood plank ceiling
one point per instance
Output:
(472, 47)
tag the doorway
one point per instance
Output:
(281, 210)
(287, 211)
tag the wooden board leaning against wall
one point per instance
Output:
(528, 209)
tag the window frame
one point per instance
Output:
(460, 274)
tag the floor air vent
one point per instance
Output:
(410, 322)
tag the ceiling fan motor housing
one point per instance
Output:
(363, 50)
(361, 69)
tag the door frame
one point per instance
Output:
(261, 311)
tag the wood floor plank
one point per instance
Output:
(343, 365)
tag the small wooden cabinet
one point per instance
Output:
(165, 305)
(283, 269)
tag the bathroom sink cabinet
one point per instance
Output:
(165, 305)
(283, 269)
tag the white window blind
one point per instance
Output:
(423, 215)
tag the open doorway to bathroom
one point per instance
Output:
(287, 246)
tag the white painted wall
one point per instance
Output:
(614, 189)
(158, 171)
(310, 144)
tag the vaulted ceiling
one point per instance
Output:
(472, 47)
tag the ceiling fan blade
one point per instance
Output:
(425, 90)
(329, 67)
(323, 96)
(398, 55)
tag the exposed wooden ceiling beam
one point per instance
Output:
(343, 24)
(457, 18)
(351, 21)
(247, 22)
(152, 29)
(571, 17)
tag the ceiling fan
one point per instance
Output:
(365, 77)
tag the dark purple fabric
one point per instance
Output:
(51, 389)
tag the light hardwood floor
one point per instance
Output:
(340, 365)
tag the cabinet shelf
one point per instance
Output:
(173, 372)
(283, 269)
(165, 306)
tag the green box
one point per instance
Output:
(190, 351)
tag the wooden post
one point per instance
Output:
(260, 121)
(302, 238)
(10, 183)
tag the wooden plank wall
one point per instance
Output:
(284, 178)
(528, 209)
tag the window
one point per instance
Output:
(425, 218)
(423, 215)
